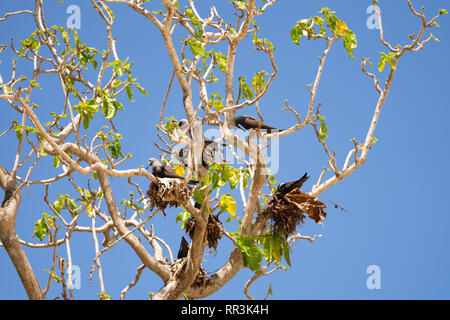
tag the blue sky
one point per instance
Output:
(398, 216)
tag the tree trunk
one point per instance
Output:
(8, 211)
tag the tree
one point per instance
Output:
(82, 139)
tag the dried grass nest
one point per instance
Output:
(168, 192)
(213, 230)
(287, 211)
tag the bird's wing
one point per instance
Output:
(250, 122)
(168, 172)
(254, 123)
(289, 186)
(285, 187)
(184, 249)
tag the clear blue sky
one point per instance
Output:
(398, 216)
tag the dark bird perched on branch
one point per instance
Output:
(184, 249)
(162, 171)
(11, 186)
(209, 149)
(285, 188)
(248, 123)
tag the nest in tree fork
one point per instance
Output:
(168, 192)
(213, 231)
(287, 211)
(201, 280)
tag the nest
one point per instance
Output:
(213, 230)
(289, 210)
(168, 192)
(201, 280)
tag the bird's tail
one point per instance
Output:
(303, 179)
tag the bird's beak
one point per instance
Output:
(148, 165)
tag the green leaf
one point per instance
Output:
(286, 252)
(258, 82)
(218, 105)
(40, 229)
(196, 48)
(183, 216)
(114, 63)
(56, 161)
(246, 91)
(269, 44)
(87, 111)
(129, 93)
(296, 33)
(43, 225)
(251, 254)
(58, 205)
(72, 206)
(198, 196)
(275, 248)
(323, 131)
(115, 148)
(53, 275)
(228, 203)
(42, 151)
(221, 61)
(386, 58)
(240, 4)
(140, 88)
(350, 42)
(198, 29)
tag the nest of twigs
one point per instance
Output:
(287, 211)
(213, 230)
(168, 192)
(201, 280)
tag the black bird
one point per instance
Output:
(11, 186)
(248, 123)
(285, 188)
(162, 171)
(184, 249)
(209, 149)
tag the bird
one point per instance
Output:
(209, 149)
(285, 188)
(249, 122)
(162, 171)
(197, 205)
(184, 248)
(183, 124)
(11, 186)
